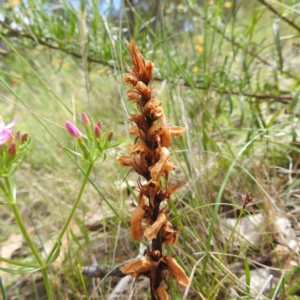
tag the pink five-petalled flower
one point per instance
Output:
(6, 131)
(73, 130)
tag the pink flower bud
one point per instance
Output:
(99, 124)
(97, 132)
(85, 119)
(110, 136)
(12, 149)
(24, 137)
(18, 136)
(73, 130)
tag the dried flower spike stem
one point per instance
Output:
(149, 157)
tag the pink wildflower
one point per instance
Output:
(73, 130)
(6, 131)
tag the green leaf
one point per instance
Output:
(19, 263)
(2, 289)
(294, 104)
(55, 255)
(247, 274)
(295, 271)
(19, 271)
(73, 152)
(277, 44)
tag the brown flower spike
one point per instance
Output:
(149, 157)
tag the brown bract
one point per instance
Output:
(141, 67)
(161, 293)
(130, 79)
(136, 223)
(135, 96)
(167, 191)
(151, 230)
(142, 149)
(137, 267)
(160, 167)
(177, 271)
(137, 162)
(176, 130)
(150, 189)
(140, 121)
(159, 136)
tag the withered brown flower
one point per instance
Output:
(151, 230)
(169, 235)
(152, 110)
(135, 96)
(140, 68)
(137, 266)
(137, 162)
(149, 157)
(158, 169)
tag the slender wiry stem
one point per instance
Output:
(156, 246)
(74, 207)
(277, 13)
(18, 218)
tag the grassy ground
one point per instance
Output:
(227, 72)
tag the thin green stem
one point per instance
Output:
(25, 233)
(74, 207)
(2, 289)
(18, 218)
(47, 283)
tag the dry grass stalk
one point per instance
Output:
(149, 157)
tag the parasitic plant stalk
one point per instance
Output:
(149, 158)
